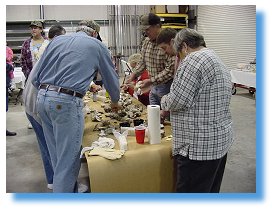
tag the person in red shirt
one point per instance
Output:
(134, 88)
(9, 60)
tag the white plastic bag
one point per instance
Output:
(104, 142)
(122, 139)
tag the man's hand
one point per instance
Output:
(115, 106)
(95, 88)
(146, 83)
(131, 78)
(164, 114)
(126, 86)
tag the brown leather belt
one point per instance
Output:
(61, 90)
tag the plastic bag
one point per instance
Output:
(122, 139)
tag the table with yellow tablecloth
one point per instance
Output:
(143, 167)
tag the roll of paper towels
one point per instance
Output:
(153, 120)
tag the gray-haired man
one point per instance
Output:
(64, 73)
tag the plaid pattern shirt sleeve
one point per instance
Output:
(159, 65)
(26, 58)
(186, 81)
(141, 64)
(199, 102)
(167, 73)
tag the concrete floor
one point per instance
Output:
(24, 170)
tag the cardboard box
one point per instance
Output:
(183, 9)
(158, 9)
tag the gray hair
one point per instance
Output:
(189, 36)
(134, 58)
(89, 31)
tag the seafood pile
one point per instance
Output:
(107, 120)
(129, 111)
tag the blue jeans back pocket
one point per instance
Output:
(60, 111)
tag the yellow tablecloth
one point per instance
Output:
(143, 167)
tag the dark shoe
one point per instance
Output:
(9, 133)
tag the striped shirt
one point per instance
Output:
(199, 102)
(160, 66)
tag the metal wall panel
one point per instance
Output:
(230, 30)
(75, 12)
(124, 33)
(22, 12)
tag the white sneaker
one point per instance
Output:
(50, 186)
(82, 188)
(29, 126)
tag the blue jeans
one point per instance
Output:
(43, 149)
(63, 125)
(158, 91)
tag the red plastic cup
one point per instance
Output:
(140, 134)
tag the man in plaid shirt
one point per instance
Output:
(160, 66)
(199, 102)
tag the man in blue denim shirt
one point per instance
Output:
(63, 76)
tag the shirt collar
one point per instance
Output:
(82, 33)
